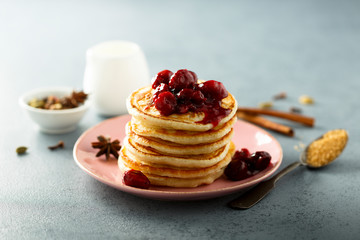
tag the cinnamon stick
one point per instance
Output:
(308, 121)
(263, 122)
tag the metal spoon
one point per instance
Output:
(254, 195)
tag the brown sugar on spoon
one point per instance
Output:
(327, 148)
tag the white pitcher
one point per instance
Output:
(113, 70)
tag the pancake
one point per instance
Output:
(147, 156)
(166, 147)
(176, 172)
(182, 182)
(180, 136)
(179, 182)
(138, 105)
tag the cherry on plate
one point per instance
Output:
(135, 178)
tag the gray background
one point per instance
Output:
(256, 48)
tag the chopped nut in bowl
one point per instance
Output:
(55, 109)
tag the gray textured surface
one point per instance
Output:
(257, 48)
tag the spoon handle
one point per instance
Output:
(254, 195)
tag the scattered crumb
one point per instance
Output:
(299, 147)
(21, 150)
(305, 99)
(265, 105)
(295, 110)
(60, 144)
(280, 95)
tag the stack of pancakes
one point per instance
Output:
(176, 150)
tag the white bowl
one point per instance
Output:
(53, 121)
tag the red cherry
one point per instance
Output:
(183, 78)
(161, 77)
(194, 76)
(260, 160)
(237, 170)
(135, 178)
(165, 103)
(185, 95)
(213, 89)
(243, 154)
(198, 97)
(159, 89)
(182, 108)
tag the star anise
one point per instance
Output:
(107, 147)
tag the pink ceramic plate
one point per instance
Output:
(246, 135)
